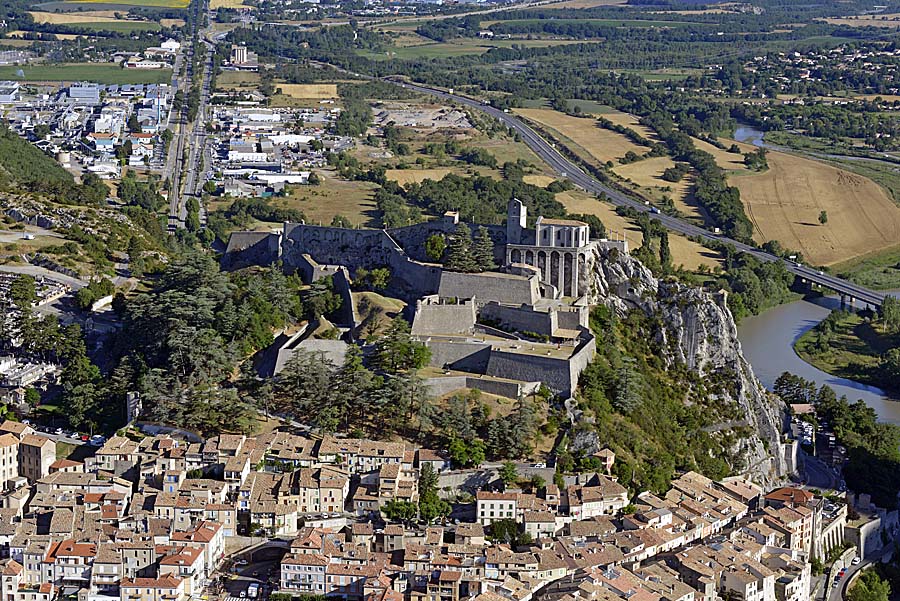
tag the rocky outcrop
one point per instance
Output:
(698, 330)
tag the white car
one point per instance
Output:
(855, 561)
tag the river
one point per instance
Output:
(768, 339)
(768, 344)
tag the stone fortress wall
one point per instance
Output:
(527, 318)
(447, 326)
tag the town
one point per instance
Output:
(170, 516)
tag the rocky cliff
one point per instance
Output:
(698, 330)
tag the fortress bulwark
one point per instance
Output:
(526, 323)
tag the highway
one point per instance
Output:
(566, 168)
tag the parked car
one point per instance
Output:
(855, 561)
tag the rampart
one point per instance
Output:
(506, 388)
(435, 317)
(353, 249)
(246, 249)
(559, 374)
(540, 320)
(486, 287)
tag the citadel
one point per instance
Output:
(504, 331)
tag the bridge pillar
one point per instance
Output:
(843, 301)
(851, 303)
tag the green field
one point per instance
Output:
(149, 3)
(99, 73)
(459, 48)
(117, 26)
(880, 271)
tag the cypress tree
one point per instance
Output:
(459, 255)
(484, 250)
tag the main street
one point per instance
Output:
(567, 169)
(190, 137)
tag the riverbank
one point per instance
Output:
(878, 271)
(768, 344)
(848, 345)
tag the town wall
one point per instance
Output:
(354, 249)
(486, 287)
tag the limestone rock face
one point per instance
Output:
(699, 331)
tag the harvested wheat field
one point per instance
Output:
(214, 4)
(784, 204)
(686, 253)
(172, 22)
(88, 16)
(729, 161)
(318, 91)
(586, 133)
(630, 121)
(541, 181)
(889, 20)
(415, 176)
(648, 174)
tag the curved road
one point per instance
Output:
(566, 168)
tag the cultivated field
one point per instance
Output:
(541, 181)
(630, 121)
(214, 4)
(415, 176)
(648, 175)
(784, 204)
(151, 3)
(890, 20)
(119, 26)
(91, 16)
(172, 22)
(726, 160)
(95, 72)
(684, 252)
(317, 91)
(601, 144)
(585, 3)
(237, 79)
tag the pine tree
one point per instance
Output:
(460, 256)
(484, 250)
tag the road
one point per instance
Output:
(567, 169)
(839, 592)
(816, 474)
(190, 136)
